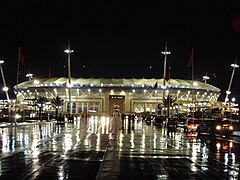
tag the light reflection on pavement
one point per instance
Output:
(98, 148)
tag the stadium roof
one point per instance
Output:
(115, 82)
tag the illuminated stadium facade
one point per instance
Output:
(101, 95)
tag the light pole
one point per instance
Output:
(228, 92)
(5, 88)
(69, 51)
(205, 78)
(165, 53)
(29, 76)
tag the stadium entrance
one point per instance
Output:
(116, 102)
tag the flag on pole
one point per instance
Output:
(236, 23)
(49, 72)
(21, 57)
(167, 77)
(20, 64)
(155, 86)
(190, 60)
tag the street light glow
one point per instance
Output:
(29, 75)
(166, 52)
(5, 88)
(234, 65)
(68, 51)
(195, 84)
(36, 82)
(1, 61)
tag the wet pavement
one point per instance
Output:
(99, 148)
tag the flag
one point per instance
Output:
(155, 86)
(236, 23)
(167, 77)
(190, 60)
(49, 72)
(20, 65)
(21, 57)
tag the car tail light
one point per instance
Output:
(218, 127)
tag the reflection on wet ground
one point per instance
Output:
(104, 148)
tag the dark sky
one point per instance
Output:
(122, 39)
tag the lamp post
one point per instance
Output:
(205, 78)
(29, 76)
(228, 92)
(69, 51)
(5, 88)
(165, 53)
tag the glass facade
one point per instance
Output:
(83, 107)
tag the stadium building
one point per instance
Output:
(102, 95)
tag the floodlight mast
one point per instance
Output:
(5, 88)
(69, 51)
(228, 92)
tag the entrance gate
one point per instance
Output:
(116, 102)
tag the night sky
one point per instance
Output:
(122, 39)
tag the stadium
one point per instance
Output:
(102, 95)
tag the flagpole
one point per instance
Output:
(18, 65)
(193, 98)
(192, 67)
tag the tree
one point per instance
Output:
(57, 102)
(168, 102)
(40, 101)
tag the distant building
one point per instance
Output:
(101, 95)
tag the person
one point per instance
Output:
(171, 126)
(116, 113)
(123, 117)
(133, 120)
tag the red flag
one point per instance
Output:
(236, 23)
(21, 57)
(190, 60)
(167, 77)
(49, 72)
(21, 65)
(155, 86)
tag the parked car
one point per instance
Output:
(205, 126)
(192, 125)
(182, 123)
(171, 125)
(213, 127)
(158, 120)
(149, 118)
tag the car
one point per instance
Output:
(149, 118)
(171, 125)
(182, 123)
(205, 126)
(215, 126)
(192, 125)
(158, 120)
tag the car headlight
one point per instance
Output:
(230, 127)
(218, 127)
